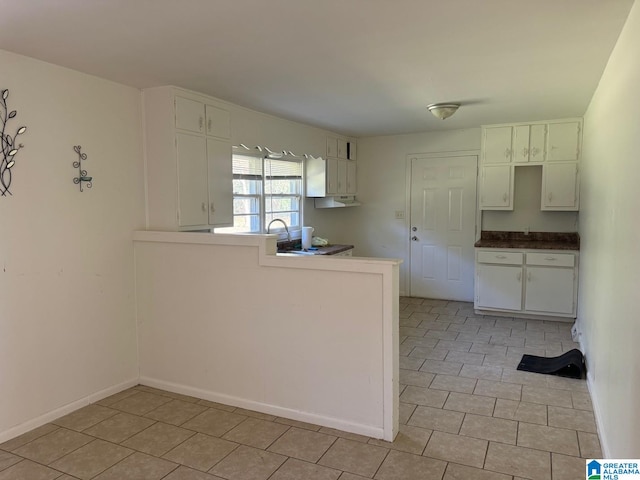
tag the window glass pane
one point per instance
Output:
(282, 204)
(244, 205)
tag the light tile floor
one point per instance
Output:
(465, 413)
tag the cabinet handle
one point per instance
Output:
(519, 276)
(504, 197)
(528, 276)
(209, 125)
(550, 196)
(501, 256)
(201, 122)
(507, 152)
(212, 208)
(534, 151)
(525, 152)
(204, 207)
(550, 258)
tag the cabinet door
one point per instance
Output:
(537, 142)
(560, 186)
(351, 151)
(192, 180)
(342, 148)
(352, 181)
(521, 143)
(332, 147)
(549, 290)
(189, 115)
(498, 286)
(342, 177)
(496, 145)
(218, 122)
(497, 188)
(332, 176)
(563, 141)
(220, 182)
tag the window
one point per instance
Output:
(265, 189)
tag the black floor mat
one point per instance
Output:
(569, 364)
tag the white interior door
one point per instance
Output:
(443, 219)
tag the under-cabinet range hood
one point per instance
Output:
(336, 202)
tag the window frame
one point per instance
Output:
(263, 197)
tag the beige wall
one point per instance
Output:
(610, 250)
(67, 317)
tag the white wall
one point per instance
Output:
(67, 317)
(382, 163)
(610, 246)
(313, 339)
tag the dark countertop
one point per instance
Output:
(534, 240)
(333, 249)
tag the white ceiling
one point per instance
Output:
(359, 67)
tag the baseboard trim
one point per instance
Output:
(604, 443)
(64, 410)
(325, 421)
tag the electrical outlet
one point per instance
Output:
(399, 214)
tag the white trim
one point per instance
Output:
(604, 443)
(264, 407)
(64, 410)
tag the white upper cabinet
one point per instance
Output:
(563, 141)
(188, 160)
(335, 175)
(342, 148)
(352, 182)
(189, 115)
(496, 145)
(560, 187)
(220, 182)
(529, 143)
(192, 179)
(496, 189)
(218, 122)
(332, 147)
(554, 144)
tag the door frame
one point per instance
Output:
(407, 218)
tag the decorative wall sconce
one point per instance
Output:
(82, 174)
(9, 147)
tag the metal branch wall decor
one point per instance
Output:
(82, 174)
(9, 147)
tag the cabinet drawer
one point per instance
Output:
(508, 258)
(551, 259)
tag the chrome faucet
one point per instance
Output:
(285, 227)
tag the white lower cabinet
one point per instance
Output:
(499, 286)
(527, 283)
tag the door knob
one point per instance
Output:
(414, 238)
(414, 229)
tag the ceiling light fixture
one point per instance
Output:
(443, 110)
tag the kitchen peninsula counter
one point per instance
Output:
(224, 318)
(532, 240)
